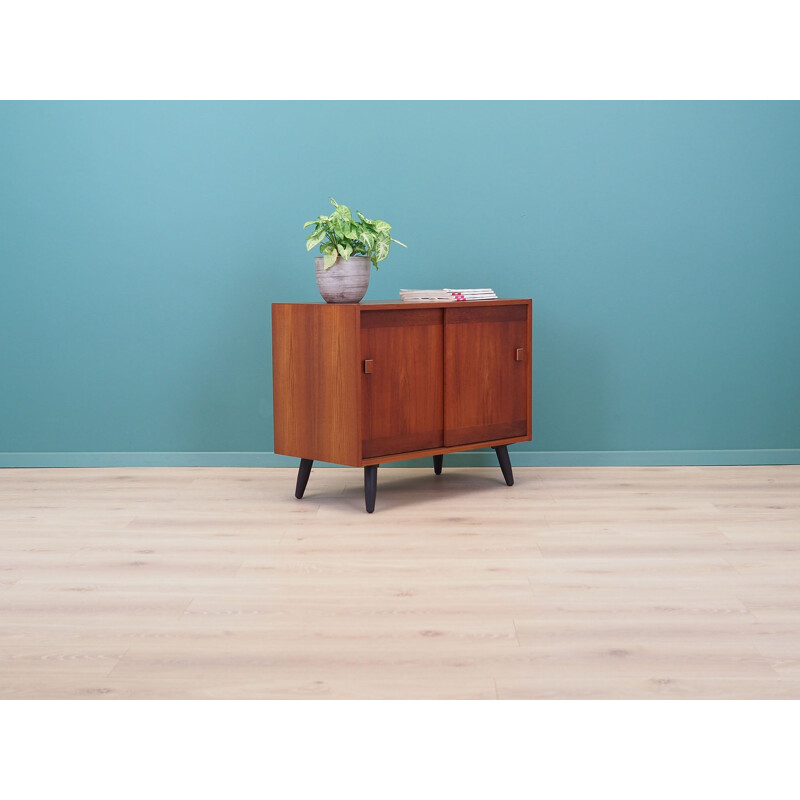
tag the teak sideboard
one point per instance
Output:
(368, 383)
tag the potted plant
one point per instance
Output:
(347, 246)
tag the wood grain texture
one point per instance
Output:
(486, 389)
(395, 304)
(388, 458)
(315, 371)
(402, 401)
(361, 384)
(646, 582)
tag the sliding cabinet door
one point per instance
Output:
(401, 381)
(487, 373)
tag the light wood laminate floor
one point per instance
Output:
(647, 582)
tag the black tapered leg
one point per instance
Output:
(370, 486)
(437, 464)
(505, 463)
(302, 477)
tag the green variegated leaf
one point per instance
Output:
(381, 249)
(315, 238)
(341, 236)
(342, 212)
(317, 221)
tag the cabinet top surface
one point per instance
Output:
(393, 304)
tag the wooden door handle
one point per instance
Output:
(520, 353)
(368, 366)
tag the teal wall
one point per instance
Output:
(141, 245)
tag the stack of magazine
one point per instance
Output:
(445, 295)
(473, 294)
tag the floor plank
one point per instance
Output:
(602, 582)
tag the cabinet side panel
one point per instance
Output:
(281, 403)
(529, 380)
(315, 382)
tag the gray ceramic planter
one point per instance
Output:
(345, 281)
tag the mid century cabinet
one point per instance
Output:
(368, 383)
